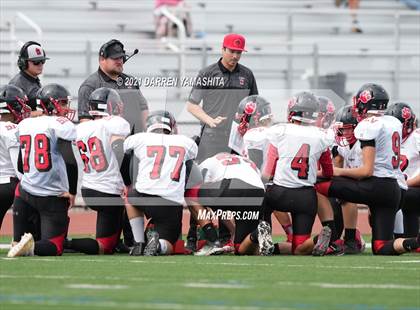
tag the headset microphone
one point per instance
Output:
(136, 51)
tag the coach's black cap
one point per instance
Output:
(112, 49)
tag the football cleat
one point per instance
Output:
(265, 241)
(152, 246)
(210, 249)
(137, 249)
(323, 242)
(191, 244)
(360, 241)
(228, 247)
(121, 247)
(352, 247)
(335, 248)
(25, 247)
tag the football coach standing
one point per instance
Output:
(31, 62)
(220, 87)
(110, 74)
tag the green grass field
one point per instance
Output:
(210, 283)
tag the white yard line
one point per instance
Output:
(134, 305)
(352, 286)
(62, 277)
(97, 286)
(216, 285)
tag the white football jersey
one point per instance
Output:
(162, 158)
(43, 166)
(410, 155)
(256, 139)
(228, 166)
(386, 131)
(101, 170)
(9, 149)
(352, 157)
(299, 149)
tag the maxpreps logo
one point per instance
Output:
(227, 215)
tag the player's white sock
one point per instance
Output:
(399, 223)
(137, 226)
(163, 247)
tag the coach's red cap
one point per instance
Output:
(235, 42)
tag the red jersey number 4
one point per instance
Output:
(300, 162)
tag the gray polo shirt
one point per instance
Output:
(134, 101)
(29, 85)
(221, 90)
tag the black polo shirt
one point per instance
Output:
(221, 90)
(29, 85)
(134, 101)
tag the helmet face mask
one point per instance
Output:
(14, 101)
(370, 99)
(344, 126)
(344, 134)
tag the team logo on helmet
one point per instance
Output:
(250, 108)
(237, 42)
(365, 96)
(38, 51)
(406, 113)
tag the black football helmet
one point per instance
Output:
(303, 107)
(161, 120)
(326, 114)
(251, 111)
(105, 102)
(14, 101)
(54, 99)
(370, 97)
(344, 126)
(405, 114)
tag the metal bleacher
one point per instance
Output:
(288, 41)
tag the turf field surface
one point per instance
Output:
(210, 283)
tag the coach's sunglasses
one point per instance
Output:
(38, 62)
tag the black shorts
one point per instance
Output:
(412, 200)
(247, 198)
(411, 211)
(165, 214)
(7, 194)
(382, 195)
(109, 218)
(300, 202)
(372, 191)
(52, 214)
